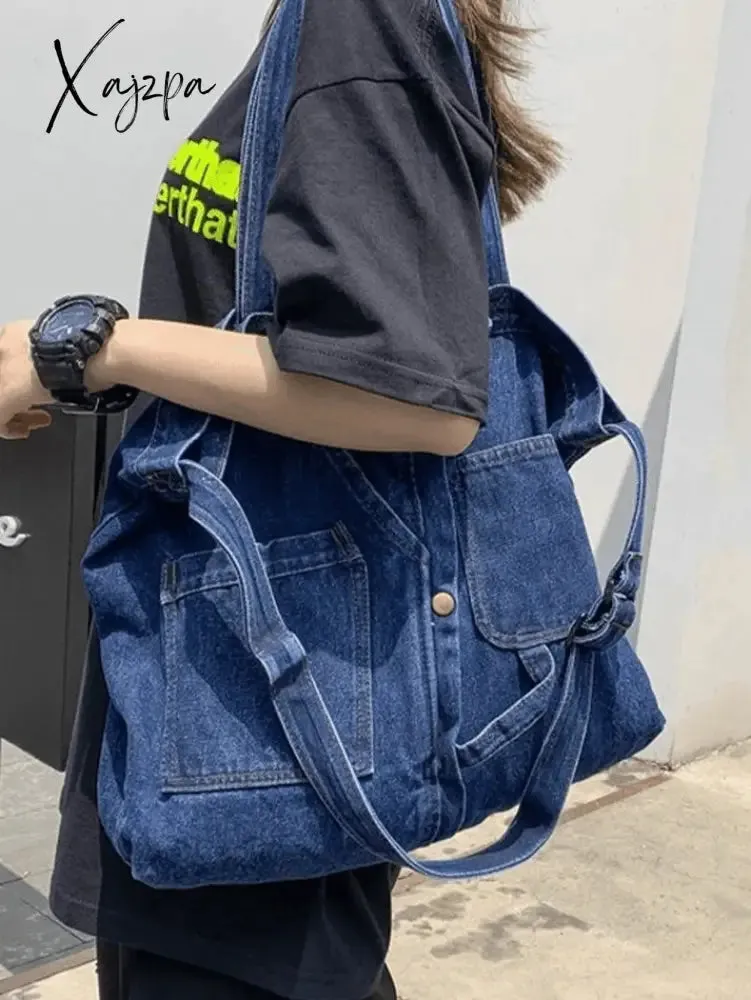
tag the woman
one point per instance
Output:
(374, 225)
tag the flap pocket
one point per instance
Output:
(529, 565)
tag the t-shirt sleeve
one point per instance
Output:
(374, 235)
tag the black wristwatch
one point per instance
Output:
(63, 340)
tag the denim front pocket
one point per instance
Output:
(220, 726)
(529, 566)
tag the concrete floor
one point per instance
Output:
(29, 819)
(644, 893)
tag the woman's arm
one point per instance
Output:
(235, 376)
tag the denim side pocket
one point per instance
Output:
(529, 566)
(220, 726)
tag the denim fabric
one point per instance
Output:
(285, 701)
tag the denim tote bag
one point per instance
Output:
(317, 658)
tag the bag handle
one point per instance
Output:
(261, 149)
(263, 138)
(491, 210)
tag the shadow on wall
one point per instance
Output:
(655, 427)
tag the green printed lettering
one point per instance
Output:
(181, 158)
(200, 209)
(181, 206)
(226, 182)
(204, 159)
(161, 199)
(215, 226)
(211, 160)
(174, 195)
(200, 163)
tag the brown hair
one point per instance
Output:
(528, 157)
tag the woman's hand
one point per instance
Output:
(20, 389)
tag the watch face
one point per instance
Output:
(65, 322)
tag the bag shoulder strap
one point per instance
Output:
(261, 150)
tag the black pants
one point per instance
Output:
(136, 975)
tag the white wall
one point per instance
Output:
(643, 248)
(696, 611)
(614, 253)
(627, 88)
(76, 204)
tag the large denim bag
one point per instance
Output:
(289, 696)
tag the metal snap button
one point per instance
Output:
(443, 604)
